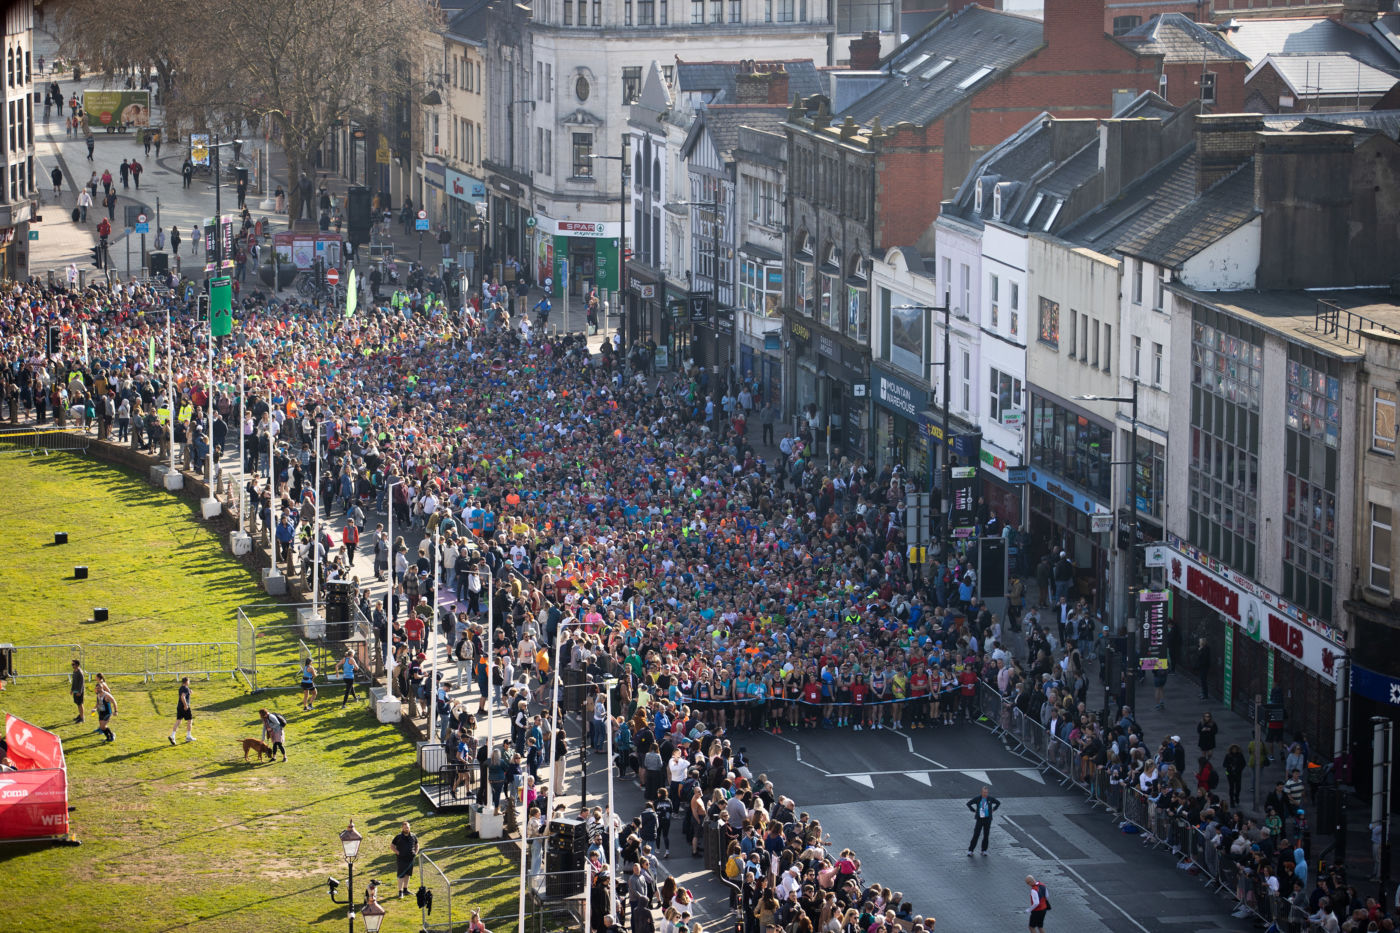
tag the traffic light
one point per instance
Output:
(237, 149)
(97, 256)
(357, 215)
(53, 340)
(202, 308)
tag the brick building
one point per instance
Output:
(869, 164)
(1197, 63)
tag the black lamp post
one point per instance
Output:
(946, 394)
(714, 207)
(372, 913)
(1133, 584)
(622, 162)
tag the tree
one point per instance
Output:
(304, 65)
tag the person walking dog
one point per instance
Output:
(982, 807)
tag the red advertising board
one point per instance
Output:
(33, 804)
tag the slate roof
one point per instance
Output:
(1221, 209)
(1257, 38)
(724, 122)
(1328, 73)
(980, 46)
(1178, 38)
(1140, 207)
(717, 79)
(1381, 121)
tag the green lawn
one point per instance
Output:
(190, 837)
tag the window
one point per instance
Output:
(627, 13)
(736, 11)
(631, 84)
(1137, 357)
(569, 12)
(768, 11)
(966, 381)
(716, 11)
(1108, 348)
(1157, 365)
(663, 22)
(1005, 393)
(646, 12)
(1015, 308)
(598, 12)
(1380, 549)
(1383, 421)
(1095, 341)
(583, 155)
(1070, 445)
(785, 10)
(1137, 281)
(856, 16)
(965, 280)
(976, 76)
(993, 286)
(1122, 24)
(1159, 296)
(802, 288)
(697, 12)
(548, 83)
(1207, 87)
(581, 88)
(1151, 476)
(1314, 400)
(977, 195)
(1050, 323)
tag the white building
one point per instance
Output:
(19, 186)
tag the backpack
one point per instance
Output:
(1044, 896)
(1214, 779)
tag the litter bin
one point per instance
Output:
(714, 845)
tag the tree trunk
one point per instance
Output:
(296, 161)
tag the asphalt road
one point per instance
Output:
(898, 800)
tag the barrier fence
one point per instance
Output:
(1136, 812)
(485, 876)
(37, 441)
(149, 662)
(272, 649)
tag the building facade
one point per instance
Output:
(19, 187)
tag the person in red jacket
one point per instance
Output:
(1040, 904)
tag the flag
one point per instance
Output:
(352, 293)
(85, 342)
(151, 355)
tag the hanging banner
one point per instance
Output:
(1228, 690)
(962, 482)
(199, 149)
(1152, 613)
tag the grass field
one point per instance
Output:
(189, 837)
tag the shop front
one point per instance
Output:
(998, 470)
(845, 370)
(579, 254)
(904, 425)
(432, 196)
(1063, 518)
(511, 231)
(803, 366)
(466, 200)
(1264, 643)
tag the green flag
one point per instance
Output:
(151, 359)
(352, 294)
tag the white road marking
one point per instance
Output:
(797, 750)
(1031, 774)
(910, 740)
(1070, 869)
(862, 779)
(919, 776)
(979, 776)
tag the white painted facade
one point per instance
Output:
(1003, 358)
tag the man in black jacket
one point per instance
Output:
(982, 808)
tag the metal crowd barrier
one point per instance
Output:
(1026, 737)
(149, 662)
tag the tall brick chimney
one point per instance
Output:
(761, 83)
(778, 85)
(1224, 142)
(865, 51)
(1360, 12)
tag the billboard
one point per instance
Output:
(199, 148)
(117, 108)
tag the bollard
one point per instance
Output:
(60, 537)
(80, 572)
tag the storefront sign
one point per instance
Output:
(435, 174)
(851, 364)
(699, 309)
(897, 395)
(1060, 490)
(1374, 686)
(1155, 555)
(1152, 611)
(1018, 475)
(1101, 523)
(579, 228)
(800, 331)
(724, 321)
(639, 286)
(593, 230)
(1256, 618)
(1280, 605)
(464, 187)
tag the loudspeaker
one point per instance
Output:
(1328, 807)
(158, 263)
(357, 215)
(340, 597)
(7, 662)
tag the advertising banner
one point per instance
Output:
(199, 149)
(1152, 612)
(962, 496)
(109, 109)
(210, 244)
(33, 804)
(32, 747)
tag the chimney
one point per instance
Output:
(957, 6)
(865, 51)
(1224, 142)
(1359, 12)
(750, 85)
(1303, 186)
(1127, 149)
(778, 85)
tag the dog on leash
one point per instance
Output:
(253, 745)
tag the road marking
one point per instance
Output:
(861, 779)
(979, 776)
(797, 750)
(910, 740)
(919, 776)
(1031, 774)
(1082, 880)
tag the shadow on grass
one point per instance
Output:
(242, 907)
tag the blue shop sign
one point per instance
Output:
(1375, 686)
(897, 394)
(1063, 491)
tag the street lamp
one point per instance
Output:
(946, 394)
(1131, 496)
(372, 913)
(623, 164)
(714, 208)
(215, 146)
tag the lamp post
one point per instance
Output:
(946, 310)
(389, 595)
(556, 699)
(371, 913)
(1131, 496)
(714, 207)
(315, 550)
(214, 148)
(623, 164)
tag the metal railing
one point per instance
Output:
(1345, 326)
(38, 440)
(460, 881)
(1197, 852)
(149, 662)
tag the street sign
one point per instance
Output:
(33, 234)
(143, 223)
(531, 222)
(1101, 522)
(332, 277)
(422, 222)
(1018, 475)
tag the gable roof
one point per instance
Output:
(1220, 210)
(1178, 38)
(1140, 207)
(1326, 73)
(939, 69)
(715, 80)
(1257, 38)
